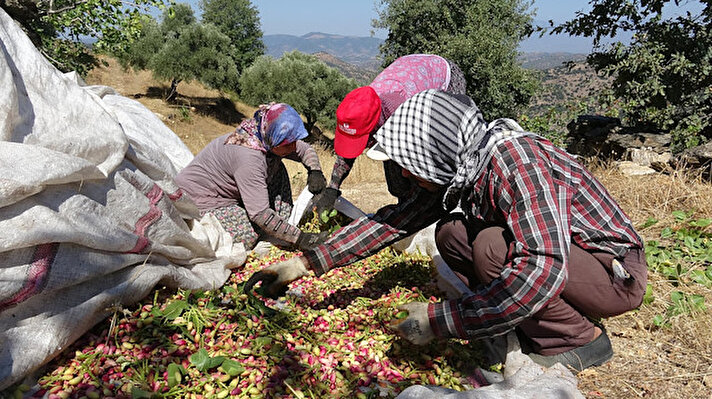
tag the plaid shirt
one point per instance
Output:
(545, 198)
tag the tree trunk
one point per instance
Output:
(174, 90)
(311, 122)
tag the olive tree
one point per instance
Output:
(180, 49)
(239, 20)
(481, 37)
(300, 80)
(661, 79)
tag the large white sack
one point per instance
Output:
(90, 216)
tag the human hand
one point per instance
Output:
(325, 201)
(276, 277)
(316, 182)
(416, 326)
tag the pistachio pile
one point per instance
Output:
(328, 337)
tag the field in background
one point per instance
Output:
(650, 361)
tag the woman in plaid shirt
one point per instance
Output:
(541, 243)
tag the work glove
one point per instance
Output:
(316, 181)
(307, 241)
(276, 277)
(416, 326)
(325, 201)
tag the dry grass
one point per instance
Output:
(674, 362)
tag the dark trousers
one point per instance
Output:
(478, 253)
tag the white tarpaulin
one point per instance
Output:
(522, 379)
(89, 214)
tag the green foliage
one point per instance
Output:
(552, 123)
(175, 374)
(300, 80)
(147, 44)
(56, 28)
(180, 49)
(680, 304)
(326, 221)
(239, 20)
(548, 125)
(176, 18)
(481, 37)
(185, 113)
(194, 313)
(662, 79)
(204, 362)
(199, 52)
(683, 255)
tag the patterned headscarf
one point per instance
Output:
(441, 138)
(273, 124)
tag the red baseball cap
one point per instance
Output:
(356, 117)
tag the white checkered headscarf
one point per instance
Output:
(438, 137)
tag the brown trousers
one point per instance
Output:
(478, 253)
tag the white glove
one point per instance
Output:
(416, 327)
(276, 277)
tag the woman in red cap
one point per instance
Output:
(367, 108)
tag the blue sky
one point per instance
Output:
(353, 18)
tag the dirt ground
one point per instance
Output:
(649, 362)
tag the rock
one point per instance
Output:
(593, 135)
(696, 157)
(629, 168)
(649, 157)
(658, 142)
(593, 126)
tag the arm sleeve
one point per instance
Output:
(305, 154)
(251, 179)
(366, 236)
(250, 176)
(342, 168)
(276, 226)
(527, 200)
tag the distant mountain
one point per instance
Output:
(363, 52)
(363, 76)
(563, 84)
(359, 51)
(543, 61)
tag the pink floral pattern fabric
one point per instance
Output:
(412, 74)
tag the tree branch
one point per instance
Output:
(51, 10)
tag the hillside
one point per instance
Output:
(361, 75)
(544, 61)
(363, 52)
(359, 51)
(357, 58)
(564, 84)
